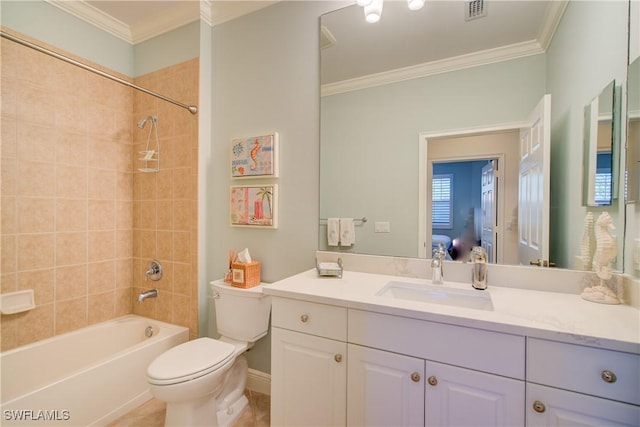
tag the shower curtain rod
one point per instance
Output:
(192, 108)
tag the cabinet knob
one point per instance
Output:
(338, 358)
(432, 380)
(539, 406)
(304, 318)
(415, 377)
(608, 376)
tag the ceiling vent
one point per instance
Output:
(326, 38)
(475, 9)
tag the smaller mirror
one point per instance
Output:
(633, 133)
(600, 146)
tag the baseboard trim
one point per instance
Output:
(259, 382)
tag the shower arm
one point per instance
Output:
(192, 108)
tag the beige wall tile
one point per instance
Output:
(71, 148)
(36, 324)
(35, 214)
(71, 315)
(102, 245)
(8, 218)
(71, 282)
(36, 178)
(124, 273)
(123, 301)
(35, 251)
(102, 307)
(71, 215)
(71, 248)
(71, 181)
(35, 142)
(101, 184)
(8, 132)
(101, 153)
(102, 277)
(102, 214)
(36, 105)
(8, 254)
(42, 283)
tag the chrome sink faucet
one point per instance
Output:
(479, 268)
(437, 275)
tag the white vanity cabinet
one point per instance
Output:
(384, 388)
(570, 384)
(415, 388)
(309, 369)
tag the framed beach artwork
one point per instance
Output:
(254, 157)
(254, 206)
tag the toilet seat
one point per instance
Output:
(189, 361)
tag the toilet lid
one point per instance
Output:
(189, 360)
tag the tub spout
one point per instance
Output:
(153, 293)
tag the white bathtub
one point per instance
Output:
(87, 377)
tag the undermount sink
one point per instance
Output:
(437, 294)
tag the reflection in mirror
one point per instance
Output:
(633, 133)
(600, 129)
(373, 111)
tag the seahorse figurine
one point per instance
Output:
(254, 154)
(606, 251)
(585, 243)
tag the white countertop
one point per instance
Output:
(556, 316)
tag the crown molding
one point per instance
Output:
(95, 17)
(490, 56)
(206, 11)
(182, 14)
(552, 19)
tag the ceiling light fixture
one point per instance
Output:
(373, 8)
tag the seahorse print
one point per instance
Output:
(254, 154)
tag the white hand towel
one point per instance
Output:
(347, 232)
(333, 231)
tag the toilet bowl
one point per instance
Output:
(203, 380)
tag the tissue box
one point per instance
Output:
(245, 274)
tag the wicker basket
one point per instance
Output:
(245, 274)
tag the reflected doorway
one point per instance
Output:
(464, 214)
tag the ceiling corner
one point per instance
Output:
(552, 18)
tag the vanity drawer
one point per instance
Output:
(492, 352)
(310, 318)
(599, 372)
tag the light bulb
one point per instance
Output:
(415, 4)
(373, 11)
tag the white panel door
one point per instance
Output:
(384, 389)
(308, 380)
(533, 194)
(547, 407)
(488, 200)
(463, 397)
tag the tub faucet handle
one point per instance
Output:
(154, 271)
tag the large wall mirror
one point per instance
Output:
(633, 133)
(392, 87)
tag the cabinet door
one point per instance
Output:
(308, 380)
(547, 406)
(384, 389)
(463, 397)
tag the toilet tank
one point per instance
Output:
(241, 314)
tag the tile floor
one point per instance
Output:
(151, 413)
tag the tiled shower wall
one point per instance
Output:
(71, 228)
(165, 203)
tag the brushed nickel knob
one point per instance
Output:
(338, 358)
(415, 377)
(432, 380)
(608, 376)
(304, 318)
(539, 406)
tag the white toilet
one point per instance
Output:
(203, 381)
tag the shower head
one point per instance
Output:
(143, 122)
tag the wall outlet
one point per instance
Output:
(382, 227)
